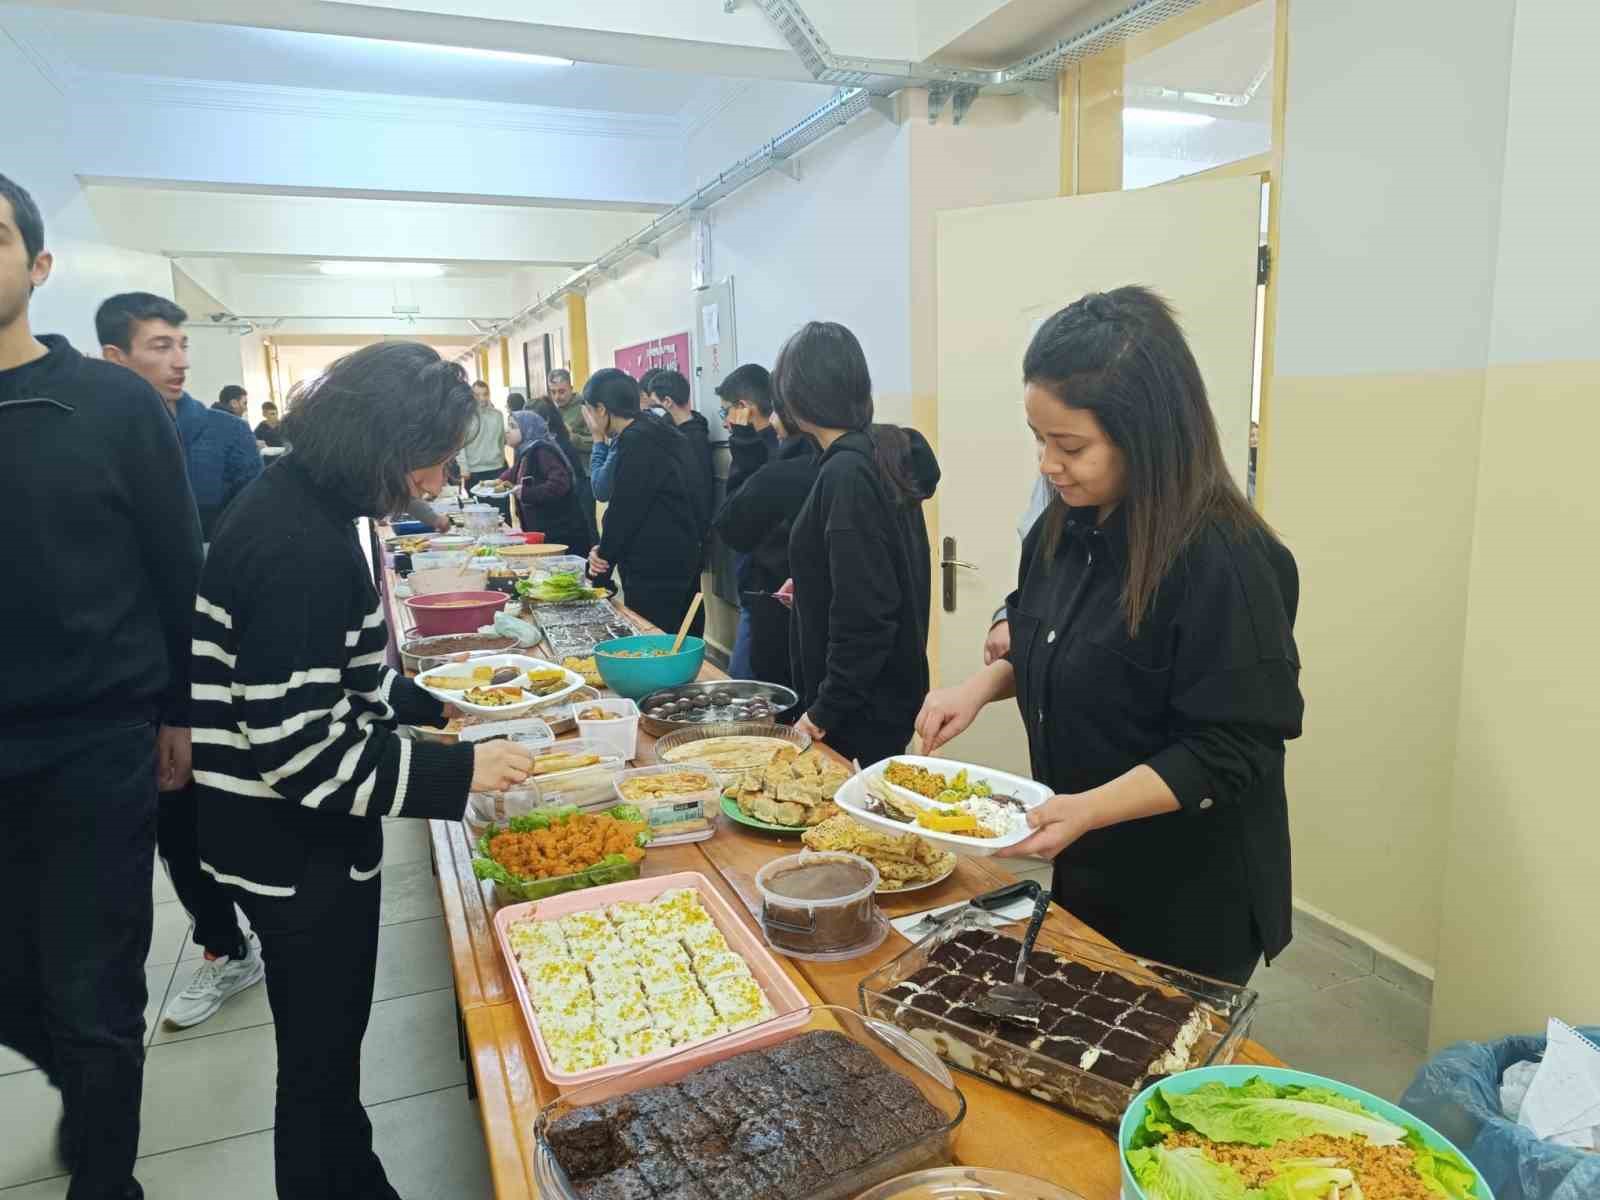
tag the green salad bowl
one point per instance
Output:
(1133, 1120)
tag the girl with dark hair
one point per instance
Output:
(1152, 651)
(296, 757)
(656, 521)
(547, 491)
(858, 551)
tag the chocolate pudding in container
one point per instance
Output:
(820, 905)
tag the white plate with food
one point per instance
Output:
(495, 489)
(972, 810)
(500, 685)
(905, 862)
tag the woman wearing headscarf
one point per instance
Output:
(546, 491)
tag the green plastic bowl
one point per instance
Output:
(636, 678)
(1189, 1081)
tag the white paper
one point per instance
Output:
(1018, 910)
(1563, 1103)
(711, 324)
(1514, 1085)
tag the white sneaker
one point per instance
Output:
(214, 981)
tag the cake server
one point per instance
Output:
(988, 901)
(1013, 1001)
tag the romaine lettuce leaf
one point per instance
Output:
(1307, 1179)
(1185, 1174)
(1443, 1171)
(1227, 1114)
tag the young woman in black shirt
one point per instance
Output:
(1152, 651)
(858, 552)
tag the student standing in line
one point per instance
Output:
(746, 393)
(94, 714)
(483, 458)
(267, 433)
(296, 753)
(653, 527)
(756, 521)
(1152, 651)
(144, 333)
(233, 399)
(547, 497)
(569, 414)
(672, 390)
(858, 552)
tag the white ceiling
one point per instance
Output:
(75, 42)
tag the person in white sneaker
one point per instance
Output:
(214, 981)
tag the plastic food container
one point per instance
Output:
(621, 733)
(436, 560)
(896, 1052)
(535, 890)
(480, 518)
(691, 817)
(839, 920)
(635, 677)
(678, 748)
(967, 1183)
(1228, 1009)
(450, 541)
(587, 788)
(497, 808)
(444, 612)
(1190, 1081)
(781, 993)
(557, 564)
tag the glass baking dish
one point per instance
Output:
(894, 1050)
(1227, 1010)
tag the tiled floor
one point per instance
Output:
(207, 1119)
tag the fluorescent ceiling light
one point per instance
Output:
(1171, 117)
(385, 270)
(538, 60)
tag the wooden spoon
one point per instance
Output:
(688, 620)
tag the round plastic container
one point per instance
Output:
(841, 920)
(621, 733)
(967, 1183)
(480, 518)
(445, 612)
(449, 541)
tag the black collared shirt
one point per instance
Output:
(1205, 694)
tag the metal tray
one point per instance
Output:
(1228, 1009)
(578, 640)
(893, 1049)
(577, 612)
(781, 698)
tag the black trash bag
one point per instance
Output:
(1458, 1093)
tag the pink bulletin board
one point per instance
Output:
(670, 353)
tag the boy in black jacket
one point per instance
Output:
(101, 661)
(752, 441)
(755, 521)
(655, 523)
(672, 392)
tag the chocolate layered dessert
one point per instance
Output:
(1115, 1033)
(774, 1124)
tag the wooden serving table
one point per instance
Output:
(1001, 1129)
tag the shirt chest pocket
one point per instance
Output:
(1115, 675)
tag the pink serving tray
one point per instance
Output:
(789, 1006)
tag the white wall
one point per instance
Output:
(88, 268)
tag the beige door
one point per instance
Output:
(1002, 270)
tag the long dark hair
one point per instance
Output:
(821, 378)
(1122, 356)
(374, 417)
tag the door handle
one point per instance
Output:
(948, 565)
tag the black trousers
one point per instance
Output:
(663, 602)
(321, 952)
(867, 743)
(77, 857)
(209, 904)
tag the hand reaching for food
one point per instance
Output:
(945, 714)
(806, 725)
(597, 565)
(499, 765)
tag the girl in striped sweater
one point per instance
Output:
(295, 752)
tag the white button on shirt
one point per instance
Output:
(1205, 804)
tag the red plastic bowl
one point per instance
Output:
(443, 612)
(533, 539)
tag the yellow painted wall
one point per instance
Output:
(1375, 477)
(1522, 881)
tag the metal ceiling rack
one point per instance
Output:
(866, 85)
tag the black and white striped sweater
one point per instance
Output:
(293, 708)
